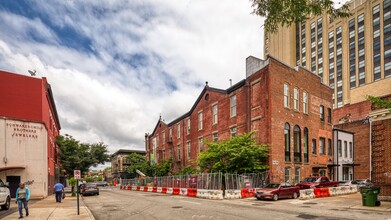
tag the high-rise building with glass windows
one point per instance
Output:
(351, 55)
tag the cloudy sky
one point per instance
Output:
(115, 66)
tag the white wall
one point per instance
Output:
(25, 144)
(345, 159)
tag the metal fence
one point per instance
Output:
(213, 181)
(247, 180)
(198, 181)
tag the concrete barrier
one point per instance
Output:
(176, 191)
(164, 190)
(307, 194)
(134, 188)
(138, 188)
(150, 188)
(247, 192)
(169, 191)
(210, 194)
(183, 192)
(192, 192)
(321, 192)
(145, 189)
(233, 194)
(159, 189)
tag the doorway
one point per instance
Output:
(13, 184)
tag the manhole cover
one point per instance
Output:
(310, 203)
(177, 207)
(305, 216)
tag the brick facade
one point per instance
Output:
(260, 108)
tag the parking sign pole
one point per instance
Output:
(78, 192)
(77, 176)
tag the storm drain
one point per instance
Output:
(305, 216)
(177, 207)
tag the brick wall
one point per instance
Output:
(381, 155)
(352, 112)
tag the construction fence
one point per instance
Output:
(210, 181)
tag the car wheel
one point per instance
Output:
(275, 197)
(7, 204)
(295, 195)
(97, 194)
(378, 203)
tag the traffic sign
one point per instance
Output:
(77, 174)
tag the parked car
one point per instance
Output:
(359, 183)
(102, 183)
(5, 197)
(89, 189)
(317, 182)
(276, 191)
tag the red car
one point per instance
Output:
(276, 191)
(317, 182)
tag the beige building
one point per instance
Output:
(351, 55)
(23, 155)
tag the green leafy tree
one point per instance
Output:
(188, 170)
(379, 102)
(89, 179)
(162, 169)
(72, 182)
(80, 156)
(287, 12)
(239, 154)
(138, 162)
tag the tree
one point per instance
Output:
(287, 12)
(188, 170)
(379, 102)
(239, 154)
(138, 162)
(162, 169)
(80, 156)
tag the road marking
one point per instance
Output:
(197, 203)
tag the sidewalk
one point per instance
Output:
(49, 209)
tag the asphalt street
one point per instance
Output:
(13, 208)
(113, 203)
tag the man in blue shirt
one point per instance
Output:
(59, 189)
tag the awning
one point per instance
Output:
(333, 165)
(351, 164)
(319, 166)
(12, 168)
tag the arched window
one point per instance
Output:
(287, 141)
(297, 143)
(306, 145)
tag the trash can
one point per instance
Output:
(369, 196)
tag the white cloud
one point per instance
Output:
(140, 59)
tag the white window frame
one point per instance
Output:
(215, 137)
(232, 104)
(188, 126)
(215, 110)
(305, 102)
(179, 130)
(200, 121)
(233, 131)
(296, 99)
(201, 144)
(286, 95)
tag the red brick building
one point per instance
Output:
(30, 122)
(289, 108)
(372, 142)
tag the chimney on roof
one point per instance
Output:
(254, 64)
(206, 83)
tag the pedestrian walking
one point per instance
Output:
(22, 198)
(59, 189)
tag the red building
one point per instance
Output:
(27, 108)
(288, 108)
